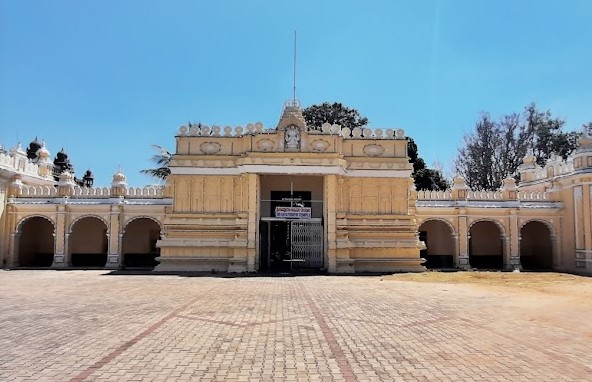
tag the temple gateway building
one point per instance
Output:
(294, 197)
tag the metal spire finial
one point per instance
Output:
(294, 84)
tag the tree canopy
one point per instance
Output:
(423, 177)
(494, 150)
(316, 115)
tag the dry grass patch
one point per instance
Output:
(530, 280)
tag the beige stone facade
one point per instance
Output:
(291, 197)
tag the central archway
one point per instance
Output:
(485, 245)
(437, 235)
(88, 242)
(36, 242)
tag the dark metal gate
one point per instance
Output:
(306, 241)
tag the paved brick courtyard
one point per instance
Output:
(92, 326)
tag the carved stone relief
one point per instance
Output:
(265, 144)
(210, 147)
(319, 145)
(292, 137)
(373, 150)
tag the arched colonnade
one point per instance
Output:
(86, 243)
(486, 244)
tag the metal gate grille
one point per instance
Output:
(306, 240)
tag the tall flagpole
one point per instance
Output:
(294, 84)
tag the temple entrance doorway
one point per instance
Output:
(291, 230)
(291, 245)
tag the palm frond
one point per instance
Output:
(162, 158)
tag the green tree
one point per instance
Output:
(494, 150)
(475, 159)
(424, 178)
(316, 115)
(429, 179)
(546, 136)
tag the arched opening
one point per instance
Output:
(485, 246)
(88, 243)
(139, 243)
(437, 235)
(536, 251)
(36, 243)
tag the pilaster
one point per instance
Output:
(14, 245)
(587, 218)
(252, 221)
(463, 251)
(506, 252)
(555, 248)
(60, 254)
(514, 243)
(456, 253)
(330, 190)
(114, 238)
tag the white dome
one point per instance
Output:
(43, 152)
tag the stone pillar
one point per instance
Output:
(514, 243)
(330, 208)
(61, 259)
(463, 248)
(252, 221)
(67, 250)
(456, 253)
(114, 239)
(506, 252)
(587, 219)
(14, 247)
(556, 252)
(7, 222)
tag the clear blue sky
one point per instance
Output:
(106, 79)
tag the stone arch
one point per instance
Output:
(486, 244)
(23, 220)
(536, 245)
(36, 241)
(438, 235)
(88, 241)
(88, 216)
(138, 242)
(128, 221)
(498, 223)
(547, 223)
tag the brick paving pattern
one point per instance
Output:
(92, 326)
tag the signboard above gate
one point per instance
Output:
(293, 212)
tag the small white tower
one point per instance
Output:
(44, 162)
(119, 184)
